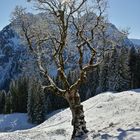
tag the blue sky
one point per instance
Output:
(126, 13)
(6, 7)
(122, 13)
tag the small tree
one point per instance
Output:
(19, 93)
(65, 34)
(104, 74)
(36, 103)
(133, 66)
(8, 109)
(2, 101)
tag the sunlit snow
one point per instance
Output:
(109, 116)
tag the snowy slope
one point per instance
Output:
(136, 41)
(109, 117)
(15, 121)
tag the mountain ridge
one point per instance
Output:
(135, 41)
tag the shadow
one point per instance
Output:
(124, 132)
(135, 90)
(83, 137)
(122, 135)
(54, 113)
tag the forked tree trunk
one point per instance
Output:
(78, 118)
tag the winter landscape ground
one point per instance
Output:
(109, 116)
(15, 121)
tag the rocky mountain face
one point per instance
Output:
(10, 55)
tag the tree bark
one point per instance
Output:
(78, 118)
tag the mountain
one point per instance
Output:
(109, 117)
(10, 55)
(14, 58)
(136, 41)
(119, 71)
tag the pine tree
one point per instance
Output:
(8, 109)
(39, 108)
(23, 83)
(137, 71)
(133, 66)
(113, 73)
(30, 105)
(104, 74)
(2, 101)
(48, 104)
(14, 96)
(93, 81)
(36, 103)
(19, 93)
(124, 81)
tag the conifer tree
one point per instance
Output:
(2, 101)
(8, 109)
(133, 66)
(124, 74)
(104, 74)
(19, 93)
(36, 103)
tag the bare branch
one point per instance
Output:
(64, 15)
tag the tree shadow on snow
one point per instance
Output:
(135, 90)
(122, 135)
(54, 113)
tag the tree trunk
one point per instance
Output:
(78, 118)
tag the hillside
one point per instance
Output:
(109, 117)
(136, 41)
(15, 121)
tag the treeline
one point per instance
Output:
(119, 71)
(24, 96)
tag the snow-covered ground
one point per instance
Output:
(109, 117)
(12, 122)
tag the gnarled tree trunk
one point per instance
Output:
(78, 118)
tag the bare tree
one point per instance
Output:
(65, 21)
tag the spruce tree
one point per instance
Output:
(113, 73)
(7, 109)
(19, 93)
(2, 101)
(133, 66)
(36, 103)
(124, 81)
(104, 74)
(137, 71)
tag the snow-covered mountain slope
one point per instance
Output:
(136, 41)
(15, 121)
(109, 117)
(11, 52)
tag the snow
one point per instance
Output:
(136, 41)
(109, 116)
(15, 121)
